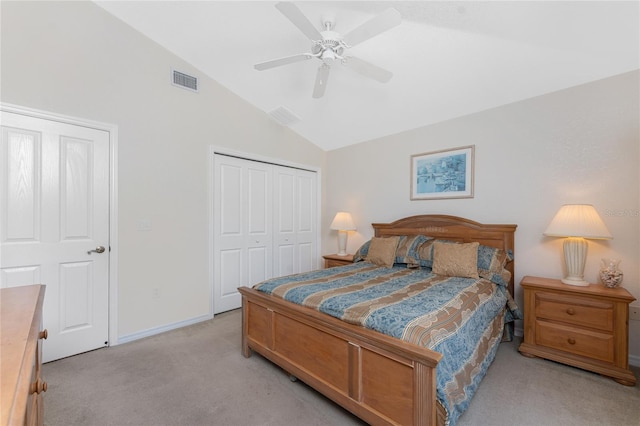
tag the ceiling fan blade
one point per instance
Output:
(321, 81)
(298, 19)
(282, 61)
(380, 23)
(368, 69)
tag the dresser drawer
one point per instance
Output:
(591, 343)
(580, 311)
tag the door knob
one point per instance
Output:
(98, 249)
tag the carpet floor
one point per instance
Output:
(196, 376)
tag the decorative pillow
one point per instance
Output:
(361, 253)
(491, 264)
(382, 251)
(455, 259)
(407, 251)
(425, 253)
(492, 258)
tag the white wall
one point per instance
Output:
(579, 145)
(75, 59)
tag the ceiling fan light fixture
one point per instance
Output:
(329, 46)
(328, 56)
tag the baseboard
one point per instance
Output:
(157, 330)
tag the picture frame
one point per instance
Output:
(443, 174)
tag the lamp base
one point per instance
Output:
(576, 282)
(342, 243)
(575, 257)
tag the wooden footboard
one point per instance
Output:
(380, 379)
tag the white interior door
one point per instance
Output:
(294, 221)
(54, 195)
(242, 228)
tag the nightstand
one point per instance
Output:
(331, 260)
(585, 327)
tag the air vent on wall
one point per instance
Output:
(283, 116)
(184, 80)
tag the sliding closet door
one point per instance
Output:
(243, 234)
(265, 225)
(294, 220)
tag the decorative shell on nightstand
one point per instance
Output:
(610, 272)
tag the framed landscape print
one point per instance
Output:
(443, 174)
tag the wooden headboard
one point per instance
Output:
(453, 228)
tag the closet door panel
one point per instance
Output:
(243, 228)
(259, 264)
(285, 198)
(229, 230)
(305, 209)
(306, 257)
(265, 225)
(285, 260)
(230, 268)
(259, 237)
(231, 200)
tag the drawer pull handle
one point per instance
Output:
(570, 311)
(39, 386)
(44, 334)
(571, 341)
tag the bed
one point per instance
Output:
(380, 378)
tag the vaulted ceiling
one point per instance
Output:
(448, 59)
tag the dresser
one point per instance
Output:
(21, 384)
(586, 327)
(331, 260)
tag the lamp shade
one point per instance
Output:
(578, 220)
(343, 222)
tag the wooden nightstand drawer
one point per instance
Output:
(575, 310)
(331, 263)
(331, 260)
(575, 340)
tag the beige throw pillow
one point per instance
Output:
(382, 251)
(455, 260)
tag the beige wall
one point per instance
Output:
(579, 145)
(574, 146)
(75, 59)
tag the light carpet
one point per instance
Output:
(196, 376)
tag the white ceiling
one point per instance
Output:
(449, 59)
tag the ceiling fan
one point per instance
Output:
(328, 46)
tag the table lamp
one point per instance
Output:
(342, 223)
(577, 222)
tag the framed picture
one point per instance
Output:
(443, 174)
